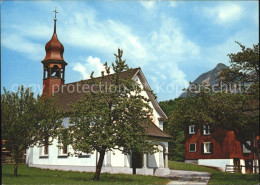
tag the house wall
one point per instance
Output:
(153, 160)
(225, 145)
(118, 159)
(156, 115)
(53, 158)
(242, 162)
(88, 163)
(219, 163)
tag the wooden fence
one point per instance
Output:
(238, 169)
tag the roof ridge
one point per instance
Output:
(100, 76)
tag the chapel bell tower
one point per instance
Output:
(53, 64)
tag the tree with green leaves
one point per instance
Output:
(112, 117)
(49, 117)
(27, 121)
(18, 122)
(174, 128)
(244, 67)
(236, 111)
(233, 112)
(244, 73)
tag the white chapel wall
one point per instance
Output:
(156, 116)
(53, 158)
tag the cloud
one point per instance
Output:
(168, 48)
(91, 64)
(148, 4)
(172, 4)
(170, 41)
(167, 44)
(107, 36)
(162, 51)
(36, 31)
(32, 50)
(224, 13)
(218, 53)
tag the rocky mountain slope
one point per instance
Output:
(208, 77)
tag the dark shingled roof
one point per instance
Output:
(67, 95)
(154, 131)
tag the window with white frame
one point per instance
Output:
(192, 147)
(206, 129)
(192, 129)
(63, 150)
(207, 147)
(245, 150)
(44, 150)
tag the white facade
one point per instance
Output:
(114, 162)
(221, 163)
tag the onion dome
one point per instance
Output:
(54, 48)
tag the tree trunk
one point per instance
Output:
(99, 166)
(134, 162)
(15, 168)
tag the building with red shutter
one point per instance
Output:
(218, 148)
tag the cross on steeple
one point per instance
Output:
(55, 12)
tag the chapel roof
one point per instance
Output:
(66, 96)
(154, 131)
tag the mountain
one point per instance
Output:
(208, 77)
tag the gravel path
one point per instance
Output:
(188, 177)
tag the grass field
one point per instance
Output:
(217, 177)
(28, 175)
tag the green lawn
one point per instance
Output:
(28, 175)
(217, 177)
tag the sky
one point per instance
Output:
(172, 41)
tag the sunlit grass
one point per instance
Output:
(217, 177)
(28, 175)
